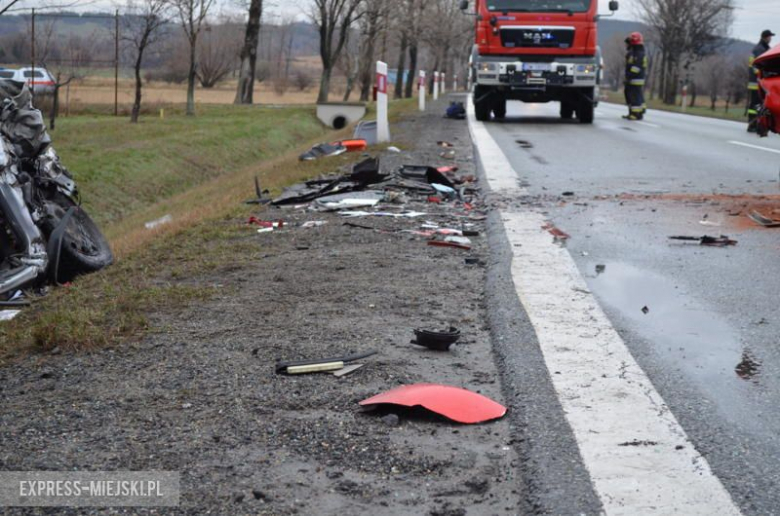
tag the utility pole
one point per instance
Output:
(116, 63)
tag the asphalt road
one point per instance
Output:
(701, 322)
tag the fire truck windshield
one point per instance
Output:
(539, 6)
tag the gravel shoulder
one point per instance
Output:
(199, 395)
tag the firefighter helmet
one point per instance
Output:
(635, 38)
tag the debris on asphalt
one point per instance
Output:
(444, 144)
(600, 268)
(313, 223)
(323, 150)
(445, 243)
(555, 232)
(456, 404)
(645, 310)
(763, 220)
(319, 365)
(167, 219)
(349, 369)
(721, 241)
(456, 111)
(436, 340)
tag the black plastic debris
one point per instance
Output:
(259, 193)
(763, 220)
(362, 175)
(721, 241)
(436, 340)
(322, 150)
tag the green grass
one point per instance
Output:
(734, 113)
(122, 168)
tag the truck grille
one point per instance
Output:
(537, 37)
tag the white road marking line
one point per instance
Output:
(648, 124)
(607, 398)
(502, 178)
(757, 147)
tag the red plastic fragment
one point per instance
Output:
(557, 233)
(265, 223)
(434, 199)
(453, 403)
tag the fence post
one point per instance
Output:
(421, 89)
(382, 122)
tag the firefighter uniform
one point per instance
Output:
(753, 96)
(636, 74)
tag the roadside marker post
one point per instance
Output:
(382, 122)
(455, 83)
(435, 85)
(421, 90)
(443, 82)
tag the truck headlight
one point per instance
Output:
(487, 67)
(586, 68)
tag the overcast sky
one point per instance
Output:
(748, 24)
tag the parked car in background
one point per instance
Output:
(39, 79)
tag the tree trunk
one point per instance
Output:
(399, 77)
(350, 87)
(411, 79)
(138, 85)
(672, 77)
(694, 93)
(55, 105)
(246, 78)
(191, 81)
(324, 84)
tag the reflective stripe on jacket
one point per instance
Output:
(636, 66)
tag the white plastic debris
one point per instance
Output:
(314, 223)
(461, 240)
(167, 219)
(393, 149)
(265, 230)
(7, 315)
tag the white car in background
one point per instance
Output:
(38, 79)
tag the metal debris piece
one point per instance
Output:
(347, 370)
(318, 365)
(721, 241)
(762, 220)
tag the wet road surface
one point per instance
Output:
(702, 322)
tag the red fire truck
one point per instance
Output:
(536, 51)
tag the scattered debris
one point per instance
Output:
(265, 230)
(436, 340)
(600, 268)
(347, 370)
(355, 145)
(444, 144)
(167, 219)
(394, 149)
(319, 365)
(645, 310)
(405, 214)
(525, 144)
(366, 130)
(705, 222)
(445, 243)
(636, 442)
(721, 241)
(555, 232)
(450, 154)
(391, 420)
(762, 220)
(265, 223)
(456, 111)
(323, 150)
(314, 223)
(259, 193)
(7, 315)
(456, 404)
(567, 194)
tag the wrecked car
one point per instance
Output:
(46, 235)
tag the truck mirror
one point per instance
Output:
(464, 4)
(614, 5)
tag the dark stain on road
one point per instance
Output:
(749, 368)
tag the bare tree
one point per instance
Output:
(302, 80)
(192, 16)
(333, 19)
(7, 4)
(371, 24)
(218, 50)
(248, 67)
(143, 28)
(615, 61)
(687, 30)
(416, 9)
(349, 65)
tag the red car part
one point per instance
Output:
(457, 404)
(768, 66)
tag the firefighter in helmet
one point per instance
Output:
(636, 74)
(754, 98)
